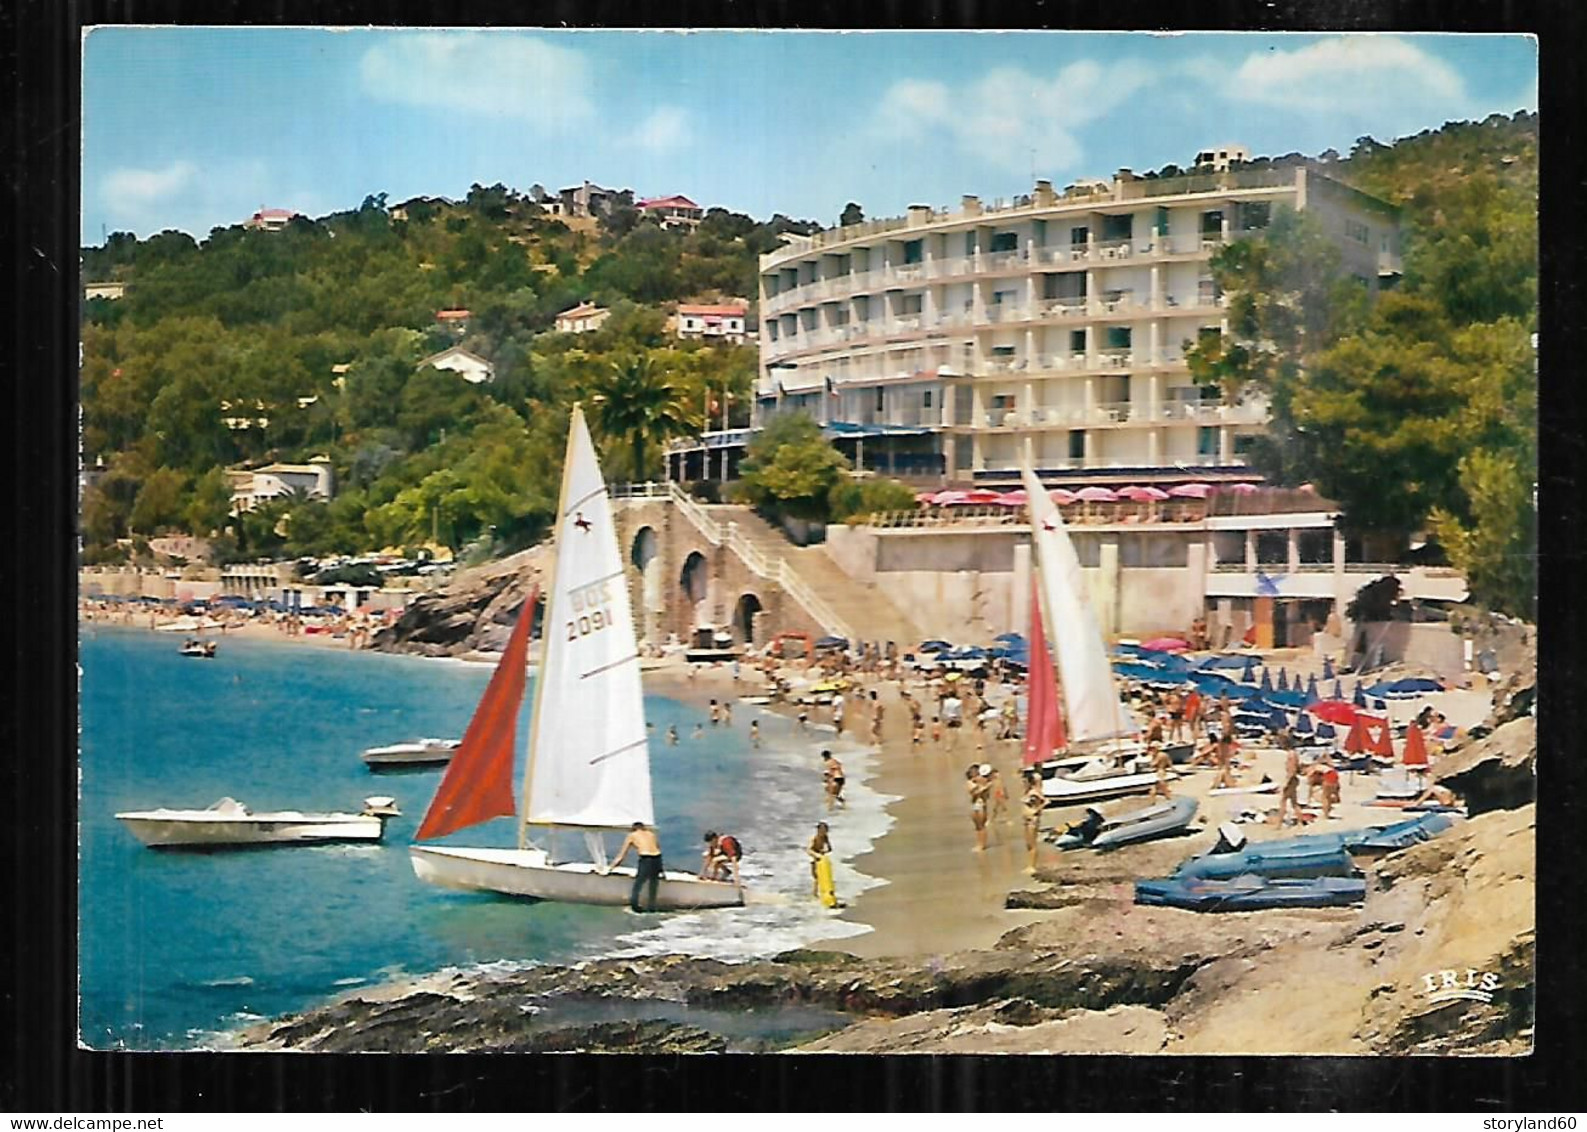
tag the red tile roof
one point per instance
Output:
(274, 214)
(453, 316)
(667, 202)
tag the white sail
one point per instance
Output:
(1091, 697)
(589, 762)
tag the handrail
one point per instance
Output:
(757, 563)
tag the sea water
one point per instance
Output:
(176, 948)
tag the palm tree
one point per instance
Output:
(636, 402)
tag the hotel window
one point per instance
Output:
(1005, 242)
(1077, 444)
(925, 399)
(911, 304)
(881, 399)
(1244, 443)
(1207, 441)
(969, 242)
(1079, 235)
(1255, 215)
(914, 251)
(1118, 227)
(1162, 221)
(1212, 223)
(1077, 341)
(1118, 337)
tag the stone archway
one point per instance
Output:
(643, 552)
(744, 618)
(694, 580)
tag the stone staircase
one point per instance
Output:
(854, 609)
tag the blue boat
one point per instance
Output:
(1162, 819)
(1298, 857)
(1250, 893)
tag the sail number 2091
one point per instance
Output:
(589, 603)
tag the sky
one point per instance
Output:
(193, 128)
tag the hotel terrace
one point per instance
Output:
(1054, 326)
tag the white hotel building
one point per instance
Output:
(1055, 326)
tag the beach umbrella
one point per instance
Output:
(1333, 711)
(1061, 497)
(1328, 668)
(1165, 644)
(1239, 489)
(1339, 692)
(1191, 491)
(1283, 679)
(1311, 687)
(1096, 495)
(1012, 499)
(1146, 494)
(1303, 724)
(925, 496)
(1415, 754)
(982, 495)
(1267, 682)
(1358, 697)
(1249, 675)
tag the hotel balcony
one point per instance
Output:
(1133, 412)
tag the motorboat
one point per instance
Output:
(1161, 819)
(204, 650)
(588, 768)
(230, 824)
(1099, 779)
(418, 753)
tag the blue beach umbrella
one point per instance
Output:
(1358, 697)
(1328, 668)
(1303, 724)
(1311, 688)
(1339, 692)
(1249, 675)
(1267, 683)
(1283, 679)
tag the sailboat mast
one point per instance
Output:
(547, 638)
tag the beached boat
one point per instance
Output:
(1292, 857)
(420, 752)
(588, 768)
(204, 650)
(1094, 722)
(1250, 893)
(230, 824)
(1164, 819)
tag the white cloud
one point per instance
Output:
(666, 128)
(131, 192)
(1351, 74)
(516, 76)
(1007, 113)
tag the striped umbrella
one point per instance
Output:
(1328, 668)
(1311, 688)
(1339, 692)
(1267, 683)
(1283, 679)
(1358, 697)
(1249, 675)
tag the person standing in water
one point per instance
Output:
(979, 786)
(642, 840)
(820, 847)
(754, 733)
(832, 775)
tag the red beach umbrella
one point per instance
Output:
(1061, 497)
(1146, 494)
(1096, 495)
(1342, 712)
(1165, 644)
(1415, 753)
(1013, 499)
(982, 495)
(950, 498)
(1240, 488)
(1191, 491)
(925, 496)
(1369, 734)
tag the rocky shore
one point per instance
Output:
(474, 613)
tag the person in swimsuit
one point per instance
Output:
(978, 786)
(642, 839)
(1032, 804)
(832, 774)
(820, 846)
(1289, 793)
(1161, 763)
(754, 733)
(1223, 757)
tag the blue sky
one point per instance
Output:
(191, 128)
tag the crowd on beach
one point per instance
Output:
(354, 628)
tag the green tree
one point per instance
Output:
(790, 469)
(851, 498)
(209, 503)
(636, 402)
(159, 505)
(1496, 547)
(852, 214)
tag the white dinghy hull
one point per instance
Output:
(1066, 792)
(198, 829)
(529, 873)
(425, 752)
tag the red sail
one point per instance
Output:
(478, 781)
(1044, 725)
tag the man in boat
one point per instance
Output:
(642, 840)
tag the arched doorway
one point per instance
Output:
(643, 548)
(695, 582)
(744, 618)
(642, 552)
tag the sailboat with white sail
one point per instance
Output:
(1101, 733)
(588, 768)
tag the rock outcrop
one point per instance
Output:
(473, 613)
